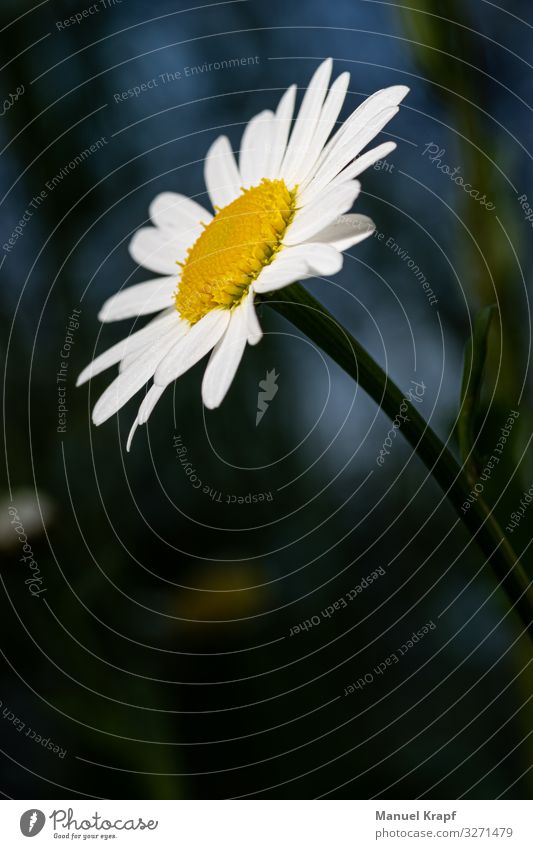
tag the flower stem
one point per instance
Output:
(305, 312)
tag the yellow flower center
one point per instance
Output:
(227, 257)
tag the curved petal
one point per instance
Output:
(347, 231)
(321, 259)
(321, 212)
(255, 334)
(280, 132)
(325, 124)
(360, 164)
(179, 215)
(142, 299)
(156, 250)
(134, 342)
(344, 154)
(225, 359)
(255, 147)
(132, 379)
(366, 113)
(280, 273)
(221, 174)
(306, 121)
(197, 342)
(145, 410)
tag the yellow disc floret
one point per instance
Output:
(227, 257)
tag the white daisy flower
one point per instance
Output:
(279, 217)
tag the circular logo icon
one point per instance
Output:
(32, 822)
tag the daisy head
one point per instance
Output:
(279, 215)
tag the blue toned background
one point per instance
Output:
(159, 658)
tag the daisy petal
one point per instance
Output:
(306, 121)
(221, 174)
(131, 434)
(255, 334)
(344, 154)
(321, 212)
(360, 164)
(346, 232)
(179, 215)
(130, 381)
(130, 358)
(321, 259)
(280, 132)
(145, 410)
(150, 400)
(330, 112)
(255, 147)
(156, 250)
(225, 359)
(135, 342)
(198, 341)
(385, 98)
(142, 299)
(281, 273)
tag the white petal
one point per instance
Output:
(200, 338)
(132, 433)
(150, 400)
(281, 273)
(130, 381)
(298, 263)
(383, 99)
(130, 358)
(135, 342)
(255, 334)
(156, 250)
(321, 259)
(255, 147)
(306, 121)
(142, 299)
(347, 231)
(221, 174)
(325, 124)
(225, 359)
(344, 154)
(179, 215)
(145, 410)
(321, 212)
(280, 134)
(360, 164)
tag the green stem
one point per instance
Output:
(306, 313)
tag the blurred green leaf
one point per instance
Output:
(474, 364)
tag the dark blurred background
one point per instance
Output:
(156, 660)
